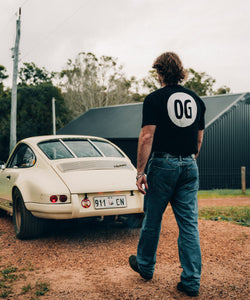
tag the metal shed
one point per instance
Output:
(226, 145)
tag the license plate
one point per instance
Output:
(110, 202)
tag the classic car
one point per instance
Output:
(67, 177)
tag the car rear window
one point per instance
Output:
(107, 149)
(82, 148)
(69, 148)
(55, 150)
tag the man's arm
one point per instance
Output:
(200, 140)
(144, 149)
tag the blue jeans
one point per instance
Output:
(175, 180)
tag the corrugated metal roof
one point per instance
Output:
(124, 121)
(217, 105)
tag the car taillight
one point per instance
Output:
(63, 198)
(53, 199)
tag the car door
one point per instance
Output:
(3, 182)
(23, 157)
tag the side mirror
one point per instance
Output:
(2, 165)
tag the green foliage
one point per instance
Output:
(236, 214)
(5, 104)
(136, 97)
(3, 92)
(223, 90)
(201, 83)
(151, 82)
(34, 114)
(90, 82)
(26, 289)
(34, 108)
(8, 275)
(3, 74)
(30, 74)
(41, 288)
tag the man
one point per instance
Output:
(172, 129)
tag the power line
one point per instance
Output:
(49, 35)
(13, 15)
(24, 3)
(7, 23)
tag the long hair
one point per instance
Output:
(169, 66)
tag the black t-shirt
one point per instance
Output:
(178, 114)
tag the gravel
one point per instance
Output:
(82, 260)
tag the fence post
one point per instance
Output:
(243, 180)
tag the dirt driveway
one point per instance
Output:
(90, 261)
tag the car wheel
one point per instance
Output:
(26, 225)
(135, 220)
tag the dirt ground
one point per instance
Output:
(78, 260)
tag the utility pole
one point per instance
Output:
(14, 84)
(54, 115)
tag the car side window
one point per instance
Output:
(23, 157)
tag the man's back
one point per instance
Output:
(178, 114)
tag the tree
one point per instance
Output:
(3, 76)
(201, 83)
(223, 90)
(34, 107)
(151, 82)
(35, 95)
(94, 82)
(5, 104)
(30, 74)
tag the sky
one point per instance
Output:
(211, 36)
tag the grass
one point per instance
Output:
(234, 214)
(26, 289)
(41, 288)
(8, 275)
(222, 193)
(11, 274)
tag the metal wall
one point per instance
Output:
(226, 147)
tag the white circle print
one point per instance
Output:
(182, 109)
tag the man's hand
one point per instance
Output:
(140, 182)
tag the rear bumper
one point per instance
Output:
(76, 210)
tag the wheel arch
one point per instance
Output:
(25, 224)
(17, 189)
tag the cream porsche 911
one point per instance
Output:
(67, 177)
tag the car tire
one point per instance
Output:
(25, 224)
(135, 220)
(2, 213)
